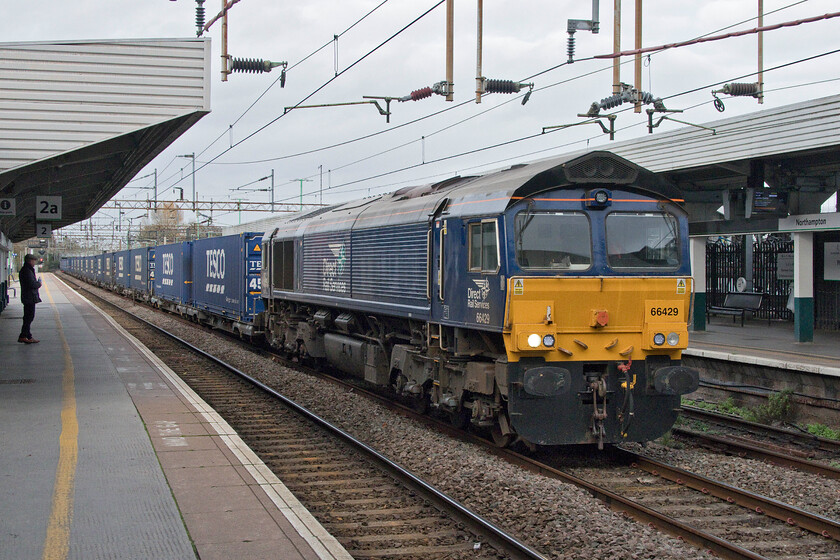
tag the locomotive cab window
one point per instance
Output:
(484, 247)
(642, 240)
(283, 265)
(553, 240)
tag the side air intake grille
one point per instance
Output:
(600, 169)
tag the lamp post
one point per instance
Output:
(192, 157)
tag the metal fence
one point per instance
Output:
(724, 264)
(726, 261)
(766, 257)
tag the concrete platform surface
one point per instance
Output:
(107, 454)
(758, 343)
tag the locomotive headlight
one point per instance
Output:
(601, 197)
(534, 340)
(598, 198)
(659, 339)
(673, 339)
(548, 340)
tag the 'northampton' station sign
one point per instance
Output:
(810, 222)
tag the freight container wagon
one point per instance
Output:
(141, 262)
(108, 270)
(122, 270)
(99, 269)
(173, 276)
(226, 282)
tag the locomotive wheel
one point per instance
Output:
(500, 439)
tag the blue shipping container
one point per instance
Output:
(122, 268)
(138, 270)
(108, 271)
(173, 272)
(226, 275)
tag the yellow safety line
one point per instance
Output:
(57, 543)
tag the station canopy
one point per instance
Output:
(756, 167)
(79, 119)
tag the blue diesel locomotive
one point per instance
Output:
(547, 302)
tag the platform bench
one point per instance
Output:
(737, 304)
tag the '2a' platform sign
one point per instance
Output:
(47, 208)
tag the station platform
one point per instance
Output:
(773, 345)
(107, 454)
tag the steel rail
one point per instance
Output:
(824, 444)
(743, 449)
(637, 511)
(791, 515)
(494, 535)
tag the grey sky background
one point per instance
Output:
(520, 39)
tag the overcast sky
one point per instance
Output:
(521, 39)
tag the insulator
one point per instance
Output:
(199, 17)
(419, 94)
(249, 65)
(646, 97)
(741, 89)
(501, 86)
(570, 48)
(612, 101)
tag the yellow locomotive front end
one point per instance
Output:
(595, 359)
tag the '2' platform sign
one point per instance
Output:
(48, 207)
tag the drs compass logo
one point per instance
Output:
(332, 269)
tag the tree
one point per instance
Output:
(164, 226)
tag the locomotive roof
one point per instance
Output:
(484, 195)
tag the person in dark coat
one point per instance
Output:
(29, 285)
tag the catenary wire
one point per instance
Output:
(399, 126)
(292, 67)
(531, 136)
(468, 102)
(325, 84)
(322, 86)
(427, 116)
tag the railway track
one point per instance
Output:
(728, 521)
(779, 446)
(370, 504)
